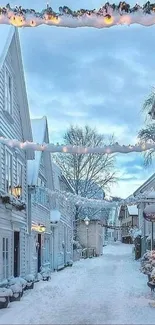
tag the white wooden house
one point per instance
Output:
(62, 231)
(14, 123)
(40, 179)
(128, 216)
(145, 226)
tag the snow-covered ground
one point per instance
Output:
(105, 290)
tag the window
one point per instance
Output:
(8, 172)
(5, 258)
(19, 175)
(8, 92)
(41, 182)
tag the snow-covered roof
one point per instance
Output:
(146, 185)
(38, 132)
(6, 34)
(151, 195)
(132, 209)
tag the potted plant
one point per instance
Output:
(148, 263)
(6, 199)
(70, 263)
(45, 273)
(17, 292)
(20, 281)
(5, 295)
(23, 284)
(30, 279)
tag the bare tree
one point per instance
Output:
(89, 174)
(148, 132)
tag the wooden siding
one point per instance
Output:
(11, 127)
(8, 128)
(41, 215)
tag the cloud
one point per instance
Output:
(100, 77)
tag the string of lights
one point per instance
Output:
(106, 16)
(114, 148)
(78, 200)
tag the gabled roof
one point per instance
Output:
(7, 35)
(38, 131)
(145, 185)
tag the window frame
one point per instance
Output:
(22, 181)
(5, 257)
(7, 151)
(8, 93)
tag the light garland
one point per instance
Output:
(106, 16)
(114, 148)
(78, 200)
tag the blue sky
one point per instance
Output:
(99, 77)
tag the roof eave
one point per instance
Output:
(142, 188)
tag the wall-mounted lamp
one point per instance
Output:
(17, 191)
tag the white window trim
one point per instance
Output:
(22, 185)
(9, 151)
(5, 262)
(6, 68)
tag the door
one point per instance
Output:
(39, 252)
(16, 253)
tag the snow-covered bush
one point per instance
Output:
(19, 281)
(70, 263)
(5, 292)
(148, 262)
(16, 288)
(153, 275)
(30, 278)
(22, 281)
(4, 284)
(39, 277)
(76, 244)
(135, 232)
(45, 273)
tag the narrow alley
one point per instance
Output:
(105, 290)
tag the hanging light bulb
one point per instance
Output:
(108, 20)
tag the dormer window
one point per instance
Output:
(8, 91)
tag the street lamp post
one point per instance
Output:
(87, 221)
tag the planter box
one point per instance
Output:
(46, 278)
(4, 301)
(15, 297)
(29, 286)
(21, 293)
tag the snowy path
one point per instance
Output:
(104, 290)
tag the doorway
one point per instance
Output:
(39, 252)
(16, 253)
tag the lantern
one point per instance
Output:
(17, 191)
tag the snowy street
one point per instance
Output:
(105, 290)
